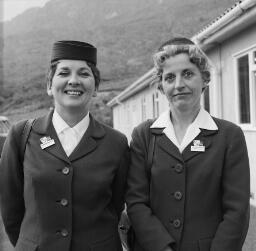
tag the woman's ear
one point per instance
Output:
(49, 88)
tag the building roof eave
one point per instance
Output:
(138, 85)
(241, 15)
(232, 28)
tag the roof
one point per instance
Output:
(228, 10)
(231, 21)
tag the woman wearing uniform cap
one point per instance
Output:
(195, 193)
(67, 194)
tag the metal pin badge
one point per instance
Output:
(197, 146)
(46, 142)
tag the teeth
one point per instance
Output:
(74, 92)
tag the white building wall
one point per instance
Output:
(223, 56)
(130, 112)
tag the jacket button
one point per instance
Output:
(64, 232)
(178, 195)
(178, 168)
(176, 223)
(65, 170)
(64, 202)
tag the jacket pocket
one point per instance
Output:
(25, 245)
(109, 244)
(205, 244)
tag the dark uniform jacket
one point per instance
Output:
(60, 203)
(194, 201)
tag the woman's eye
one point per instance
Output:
(188, 74)
(170, 78)
(63, 73)
(85, 74)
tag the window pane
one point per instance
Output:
(155, 101)
(143, 108)
(244, 89)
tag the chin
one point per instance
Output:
(183, 106)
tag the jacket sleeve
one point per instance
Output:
(232, 230)
(11, 185)
(150, 232)
(119, 184)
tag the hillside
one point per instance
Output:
(125, 33)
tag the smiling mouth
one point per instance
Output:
(73, 93)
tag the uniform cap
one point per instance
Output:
(76, 50)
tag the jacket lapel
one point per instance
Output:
(206, 140)
(89, 141)
(166, 144)
(44, 127)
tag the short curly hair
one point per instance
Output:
(181, 45)
(53, 67)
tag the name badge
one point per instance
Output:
(197, 146)
(46, 142)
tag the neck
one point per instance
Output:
(72, 116)
(181, 121)
(184, 117)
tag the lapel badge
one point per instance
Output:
(46, 142)
(197, 146)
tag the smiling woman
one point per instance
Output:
(72, 87)
(69, 190)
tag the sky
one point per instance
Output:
(11, 8)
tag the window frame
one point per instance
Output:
(143, 108)
(252, 88)
(155, 104)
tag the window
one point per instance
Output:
(127, 113)
(143, 108)
(155, 102)
(246, 88)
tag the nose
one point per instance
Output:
(179, 83)
(74, 80)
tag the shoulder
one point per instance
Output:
(141, 133)
(229, 131)
(113, 133)
(226, 125)
(17, 128)
(144, 126)
(13, 139)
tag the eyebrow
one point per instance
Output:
(168, 74)
(68, 68)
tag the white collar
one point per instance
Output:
(203, 120)
(60, 124)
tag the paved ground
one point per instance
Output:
(250, 243)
